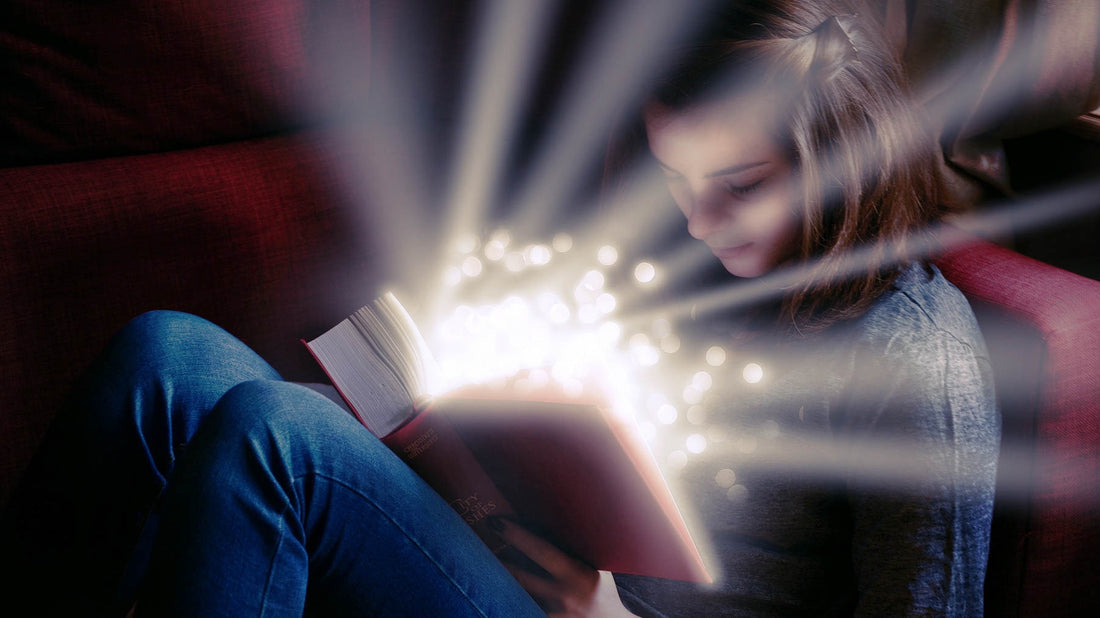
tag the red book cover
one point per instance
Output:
(577, 475)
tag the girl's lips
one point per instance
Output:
(731, 252)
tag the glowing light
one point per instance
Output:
(452, 276)
(539, 378)
(607, 255)
(644, 272)
(667, 414)
(716, 356)
(588, 314)
(610, 332)
(670, 344)
(538, 255)
(725, 478)
(558, 313)
(501, 236)
(573, 387)
(514, 261)
(642, 351)
(737, 492)
(702, 380)
(471, 266)
(769, 429)
(661, 328)
(593, 280)
(466, 243)
(696, 415)
(646, 356)
(494, 250)
(677, 460)
(605, 303)
(696, 443)
(692, 395)
(562, 242)
(752, 373)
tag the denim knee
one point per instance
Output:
(157, 341)
(294, 430)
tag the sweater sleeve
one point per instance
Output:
(924, 433)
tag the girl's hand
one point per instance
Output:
(574, 589)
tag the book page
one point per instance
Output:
(378, 361)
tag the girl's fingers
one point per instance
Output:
(541, 589)
(544, 553)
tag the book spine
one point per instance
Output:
(432, 448)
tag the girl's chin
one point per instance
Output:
(745, 268)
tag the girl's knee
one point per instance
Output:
(274, 407)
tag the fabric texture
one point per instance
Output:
(864, 471)
(84, 80)
(1043, 328)
(259, 236)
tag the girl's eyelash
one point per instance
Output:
(742, 190)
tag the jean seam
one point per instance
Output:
(274, 561)
(405, 532)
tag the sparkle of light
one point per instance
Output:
(667, 414)
(677, 460)
(702, 380)
(644, 272)
(716, 356)
(696, 415)
(605, 303)
(607, 255)
(471, 266)
(593, 280)
(725, 478)
(494, 250)
(696, 443)
(538, 255)
(752, 373)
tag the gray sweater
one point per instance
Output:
(857, 479)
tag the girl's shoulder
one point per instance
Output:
(920, 308)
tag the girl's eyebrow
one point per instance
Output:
(733, 169)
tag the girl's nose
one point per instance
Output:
(707, 215)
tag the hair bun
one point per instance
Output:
(829, 47)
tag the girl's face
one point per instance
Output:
(732, 179)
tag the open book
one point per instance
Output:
(566, 467)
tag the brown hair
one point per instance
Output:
(867, 164)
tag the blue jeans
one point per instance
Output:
(184, 467)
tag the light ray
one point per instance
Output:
(510, 39)
(992, 222)
(630, 40)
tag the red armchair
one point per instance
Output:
(1042, 326)
(153, 156)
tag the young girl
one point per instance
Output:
(789, 144)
